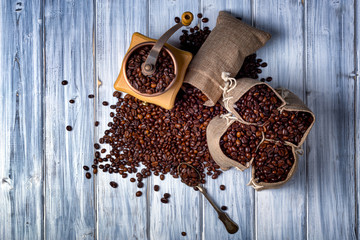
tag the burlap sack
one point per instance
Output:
(214, 131)
(224, 50)
(233, 91)
(262, 185)
(293, 103)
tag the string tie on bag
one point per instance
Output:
(299, 150)
(230, 84)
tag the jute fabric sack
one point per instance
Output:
(224, 50)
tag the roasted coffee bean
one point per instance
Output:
(273, 162)
(258, 104)
(132, 179)
(88, 175)
(222, 187)
(69, 128)
(205, 20)
(138, 193)
(86, 168)
(97, 146)
(239, 142)
(224, 208)
(97, 123)
(105, 103)
(64, 82)
(156, 188)
(159, 80)
(193, 41)
(288, 126)
(164, 200)
(113, 184)
(199, 15)
(167, 195)
(177, 19)
(183, 234)
(269, 79)
(71, 101)
(162, 177)
(91, 96)
(140, 185)
(189, 176)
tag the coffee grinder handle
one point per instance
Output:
(148, 67)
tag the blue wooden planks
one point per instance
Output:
(281, 213)
(120, 214)
(69, 196)
(330, 94)
(357, 113)
(21, 120)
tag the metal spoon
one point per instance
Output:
(230, 225)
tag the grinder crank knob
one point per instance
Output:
(186, 18)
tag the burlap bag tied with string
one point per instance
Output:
(259, 186)
(224, 50)
(214, 131)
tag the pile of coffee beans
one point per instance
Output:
(189, 175)
(158, 139)
(239, 142)
(257, 104)
(273, 162)
(251, 68)
(159, 80)
(288, 126)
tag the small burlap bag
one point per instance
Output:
(235, 89)
(224, 50)
(294, 103)
(214, 131)
(259, 186)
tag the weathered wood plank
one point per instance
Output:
(357, 112)
(21, 120)
(330, 94)
(120, 214)
(183, 212)
(281, 213)
(69, 199)
(237, 197)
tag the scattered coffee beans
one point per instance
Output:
(86, 168)
(69, 128)
(161, 78)
(132, 180)
(177, 19)
(288, 126)
(64, 82)
(113, 184)
(199, 15)
(88, 175)
(222, 187)
(273, 162)
(140, 185)
(167, 195)
(257, 104)
(71, 101)
(251, 67)
(183, 234)
(138, 193)
(105, 103)
(189, 176)
(97, 123)
(91, 96)
(156, 188)
(164, 200)
(240, 141)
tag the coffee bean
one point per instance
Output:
(167, 195)
(91, 96)
(199, 15)
(88, 175)
(156, 188)
(64, 82)
(205, 20)
(162, 177)
(138, 193)
(132, 179)
(183, 234)
(224, 208)
(269, 79)
(97, 123)
(177, 19)
(113, 184)
(86, 168)
(164, 200)
(97, 146)
(222, 187)
(71, 101)
(105, 103)
(140, 184)
(69, 128)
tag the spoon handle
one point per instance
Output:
(230, 225)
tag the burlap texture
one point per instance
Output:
(294, 103)
(223, 51)
(244, 85)
(214, 131)
(262, 185)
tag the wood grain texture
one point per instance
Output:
(69, 196)
(183, 212)
(357, 112)
(120, 214)
(21, 120)
(330, 94)
(238, 197)
(281, 213)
